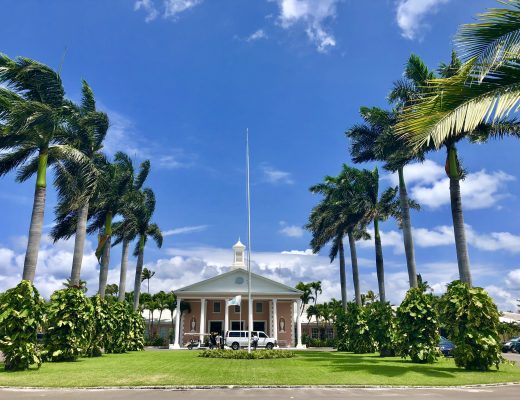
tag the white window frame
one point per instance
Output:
(215, 302)
(259, 303)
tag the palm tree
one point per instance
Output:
(112, 289)
(110, 199)
(377, 209)
(145, 228)
(161, 305)
(126, 230)
(368, 298)
(33, 135)
(170, 301)
(306, 296)
(146, 276)
(334, 218)
(375, 140)
(75, 183)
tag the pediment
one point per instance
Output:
(234, 282)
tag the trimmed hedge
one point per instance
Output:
(244, 355)
(21, 315)
(472, 321)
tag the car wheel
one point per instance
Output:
(235, 346)
(269, 346)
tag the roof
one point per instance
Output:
(234, 282)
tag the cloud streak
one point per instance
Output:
(185, 229)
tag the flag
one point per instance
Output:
(235, 301)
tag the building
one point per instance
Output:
(273, 308)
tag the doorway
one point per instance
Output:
(216, 326)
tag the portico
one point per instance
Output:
(273, 307)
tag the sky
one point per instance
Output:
(182, 80)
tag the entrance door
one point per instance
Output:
(216, 326)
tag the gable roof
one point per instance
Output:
(234, 283)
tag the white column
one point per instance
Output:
(202, 322)
(226, 318)
(275, 319)
(299, 345)
(176, 344)
(250, 315)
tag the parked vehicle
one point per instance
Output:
(446, 347)
(238, 339)
(511, 345)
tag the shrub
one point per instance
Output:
(21, 315)
(472, 323)
(135, 337)
(244, 355)
(418, 327)
(313, 342)
(118, 328)
(100, 326)
(353, 331)
(156, 341)
(382, 327)
(70, 325)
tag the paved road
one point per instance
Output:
(500, 392)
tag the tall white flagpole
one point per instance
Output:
(250, 313)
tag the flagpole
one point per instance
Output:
(250, 313)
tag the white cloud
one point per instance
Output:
(149, 7)
(307, 252)
(273, 175)
(504, 299)
(411, 14)
(291, 230)
(312, 14)
(168, 8)
(259, 34)
(185, 229)
(513, 279)
(430, 187)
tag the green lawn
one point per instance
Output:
(307, 368)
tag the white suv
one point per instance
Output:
(238, 339)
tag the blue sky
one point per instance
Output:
(181, 81)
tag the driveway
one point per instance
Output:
(498, 392)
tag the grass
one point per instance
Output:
(307, 368)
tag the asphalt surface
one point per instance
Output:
(497, 392)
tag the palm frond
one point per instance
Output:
(155, 233)
(492, 41)
(144, 170)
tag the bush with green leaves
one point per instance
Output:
(472, 321)
(100, 326)
(69, 325)
(382, 326)
(21, 315)
(135, 338)
(244, 355)
(418, 328)
(118, 328)
(353, 331)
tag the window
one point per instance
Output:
(237, 309)
(330, 333)
(239, 256)
(237, 326)
(216, 306)
(234, 334)
(315, 333)
(262, 335)
(259, 307)
(258, 326)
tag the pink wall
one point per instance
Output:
(285, 311)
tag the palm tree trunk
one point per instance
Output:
(105, 259)
(458, 217)
(79, 244)
(355, 271)
(35, 230)
(138, 273)
(379, 262)
(342, 272)
(124, 268)
(407, 231)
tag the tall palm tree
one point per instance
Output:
(375, 140)
(378, 209)
(145, 228)
(33, 111)
(109, 201)
(170, 301)
(126, 230)
(334, 218)
(87, 129)
(306, 296)
(146, 276)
